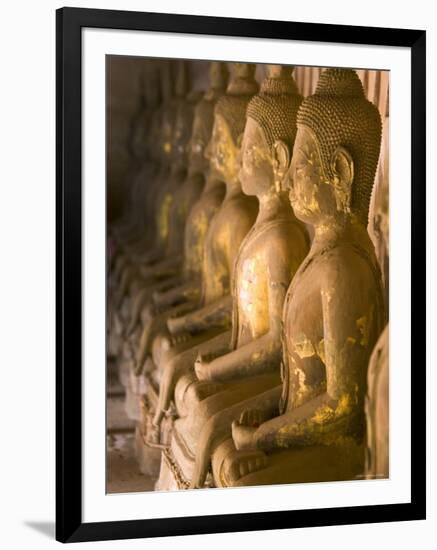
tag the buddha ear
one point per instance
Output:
(281, 154)
(342, 166)
(281, 161)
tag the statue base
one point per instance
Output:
(169, 476)
(148, 458)
(135, 389)
(177, 467)
(124, 368)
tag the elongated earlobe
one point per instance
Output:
(342, 167)
(281, 162)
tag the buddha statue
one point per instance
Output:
(267, 260)
(129, 241)
(134, 276)
(236, 215)
(132, 244)
(133, 252)
(138, 280)
(143, 165)
(334, 308)
(377, 398)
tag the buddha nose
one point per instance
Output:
(207, 152)
(240, 158)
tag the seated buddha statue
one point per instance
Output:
(134, 276)
(132, 245)
(267, 260)
(334, 308)
(143, 166)
(141, 277)
(225, 234)
(377, 397)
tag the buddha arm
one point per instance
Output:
(216, 314)
(261, 354)
(184, 292)
(164, 268)
(152, 255)
(337, 411)
(150, 330)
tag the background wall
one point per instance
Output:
(27, 115)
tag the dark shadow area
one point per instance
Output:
(47, 528)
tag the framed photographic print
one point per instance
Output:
(240, 274)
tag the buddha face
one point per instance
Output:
(166, 134)
(222, 152)
(181, 140)
(314, 197)
(197, 145)
(256, 167)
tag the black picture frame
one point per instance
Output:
(69, 525)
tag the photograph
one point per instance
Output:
(241, 281)
(247, 274)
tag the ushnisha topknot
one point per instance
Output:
(183, 79)
(339, 114)
(232, 106)
(275, 107)
(204, 112)
(218, 78)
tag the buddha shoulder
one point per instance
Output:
(347, 266)
(241, 205)
(285, 233)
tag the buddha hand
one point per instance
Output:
(180, 338)
(244, 429)
(201, 368)
(146, 271)
(175, 324)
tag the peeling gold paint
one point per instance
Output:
(321, 350)
(323, 415)
(303, 347)
(301, 382)
(364, 325)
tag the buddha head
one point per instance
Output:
(185, 102)
(204, 116)
(182, 130)
(335, 152)
(229, 120)
(145, 132)
(152, 85)
(168, 109)
(269, 132)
